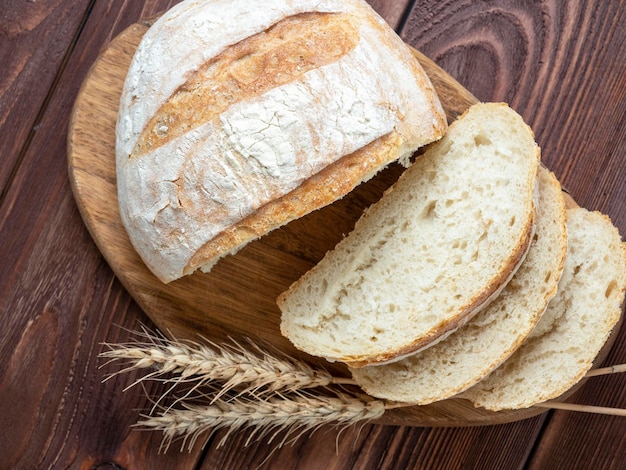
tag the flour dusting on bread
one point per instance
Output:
(231, 108)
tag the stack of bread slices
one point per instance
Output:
(471, 277)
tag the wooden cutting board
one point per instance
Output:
(237, 298)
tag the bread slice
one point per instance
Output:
(237, 117)
(577, 323)
(477, 348)
(435, 249)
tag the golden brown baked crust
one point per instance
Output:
(279, 55)
(328, 185)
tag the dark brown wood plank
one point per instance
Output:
(561, 65)
(381, 447)
(34, 38)
(60, 302)
(582, 440)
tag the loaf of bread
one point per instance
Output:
(438, 246)
(472, 352)
(577, 323)
(238, 116)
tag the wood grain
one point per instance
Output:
(538, 58)
(59, 299)
(385, 447)
(561, 65)
(34, 39)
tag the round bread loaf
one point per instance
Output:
(238, 116)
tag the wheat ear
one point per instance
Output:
(235, 387)
(296, 413)
(232, 365)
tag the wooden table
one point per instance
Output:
(560, 64)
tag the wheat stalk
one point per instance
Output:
(582, 408)
(234, 387)
(299, 412)
(233, 365)
(616, 369)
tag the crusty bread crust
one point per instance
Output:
(279, 55)
(328, 185)
(227, 131)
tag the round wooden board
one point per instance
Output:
(237, 298)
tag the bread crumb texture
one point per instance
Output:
(577, 323)
(435, 249)
(477, 348)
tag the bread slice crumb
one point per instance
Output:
(576, 325)
(439, 245)
(473, 351)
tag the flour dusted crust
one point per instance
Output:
(239, 116)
